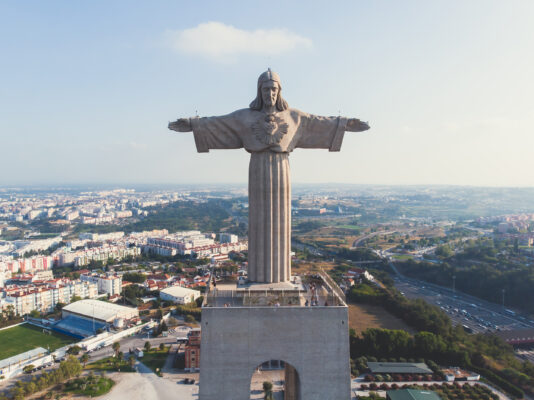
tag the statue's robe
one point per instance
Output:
(269, 139)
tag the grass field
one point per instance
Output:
(26, 337)
(108, 364)
(362, 317)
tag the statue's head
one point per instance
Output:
(269, 92)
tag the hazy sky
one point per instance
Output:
(87, 88)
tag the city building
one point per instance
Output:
(103, 253)
(179, 295)
(100, 311)
(27, 265)
(109, 284)
(228, 238)
(192, 351)
(517, 336)
(44, 296)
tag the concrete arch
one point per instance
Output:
(314, 340)
(292, 388)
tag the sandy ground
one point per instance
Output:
(364, 316)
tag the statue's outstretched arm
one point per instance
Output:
(181, 125)
(355, 125)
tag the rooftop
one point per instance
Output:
(100, 310)
(398, 368)
(22, 357)
(411, 394)
(317, 290)
(178, 291)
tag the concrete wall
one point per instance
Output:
(314, 340)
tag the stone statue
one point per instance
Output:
(269, 130)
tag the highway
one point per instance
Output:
(478, 315)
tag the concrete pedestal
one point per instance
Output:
(313, 340)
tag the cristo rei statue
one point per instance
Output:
(269, 130)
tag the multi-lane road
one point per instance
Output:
(471, 312)
(477, 315)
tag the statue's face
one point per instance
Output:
(269, 93)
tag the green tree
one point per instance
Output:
(131, 361)
(75, 298)
(28, 368)
(84, 359)
(116, 347)
(134, 277)
(189, 318)
(267, 390)
(74, 350)
(147, 346)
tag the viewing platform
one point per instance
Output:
(315, 290)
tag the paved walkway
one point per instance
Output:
(169, 362)
(147, 385)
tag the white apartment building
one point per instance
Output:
(27, 265)
(44, 298)
(228, 238)
(111, 285)
(104, 253)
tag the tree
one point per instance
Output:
(28, 368)
(267, 390)
(162, 346)
(134, 277)
(35, 314)
(147, 346)
(75, 298)
(131, 361)
(74, 350)
(189, 318)
(444, 251)
(84, 359)
(116, 347)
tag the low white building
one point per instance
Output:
(178, 294)
(99, 310)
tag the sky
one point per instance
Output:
(87, 88)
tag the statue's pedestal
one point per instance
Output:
(259, 324)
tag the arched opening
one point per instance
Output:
(283, 378)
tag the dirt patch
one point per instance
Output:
(364, 316)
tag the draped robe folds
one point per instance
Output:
(269, 141)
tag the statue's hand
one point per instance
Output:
(181, 125)
(355, 125)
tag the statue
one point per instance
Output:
(269, 130)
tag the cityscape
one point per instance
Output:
(267, 201)
(75, 287)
